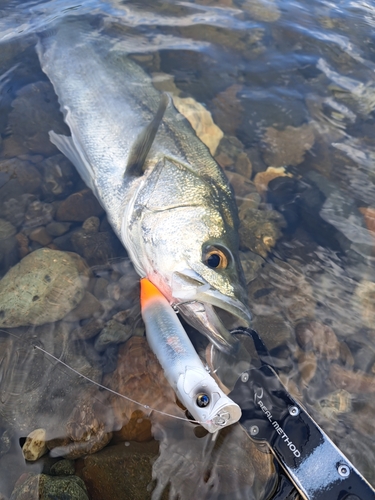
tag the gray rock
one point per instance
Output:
(113, 333)
(59, 176)
(14, 209)
(91, 225)
(96, 248)
(46, 487)
(19, 177)
(63, 468)
(57, 228)
(43, 287)
(36, 112)
(88, 307)
(39, 214)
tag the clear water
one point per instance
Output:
(260, 67)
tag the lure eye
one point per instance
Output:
(216, 258)
(203, 400)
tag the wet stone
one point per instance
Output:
(35, 112)
(14, 209)
(23, 245)
(241, 185)
(262, 179)
(78, 207)
(96, 248)
(89, 307)
(38, 214)
(112, 333)
(260, 230)
(100, 288)
(288, 146)
(104, 475)
(63, 468)
(251, 263)
(35, 445)
(320, 338)
(41, 236)
(46, 487)
(43, 287)
(19, 177)
(57, 228)
(59, 177)
(88, 330)
(91, 225)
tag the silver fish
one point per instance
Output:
(165, 196)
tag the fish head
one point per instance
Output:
(193, 258)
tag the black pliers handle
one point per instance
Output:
(313, 463)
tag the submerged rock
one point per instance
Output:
(288, 146)
(42, 288)
(260, 230)
(36, 112)
(78, 207)
(201, 121)
(43, 487)
(35, 445)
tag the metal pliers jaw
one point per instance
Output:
(312, 462)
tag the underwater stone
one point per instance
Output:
(46, 487)
(39, 214)
(41, 236)
(42, 288)
(63, 468)
(201, 121)
(35, 445)
(91, 225)
(78, 207)
(112, 333)
(36, 112)
(95, 248)
(88, 307)
(262, 179)
(260, 230)
(288, 146)
(59, 177)
(57, 228)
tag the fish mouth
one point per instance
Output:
(213, 314)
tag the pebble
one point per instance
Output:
(353, 382)
(91, 225)
(23, 245)
(41, 236)
(88, 330)
(241, 185)
(63, 468)
(78, 207)
(262, 179)
(59, 177)
(38, 214)
(100, 288)
(57, 228)
(267, 12)
(89, 307)
(44, 487)
(96, 248)
(112, 333)
(288, 146)
(201, 121)
(42, 288)
(14, 209)
(35, 112)
(35, 445)
(260, 230)
(22, 177)
(319, 338)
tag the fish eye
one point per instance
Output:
(203, 400)
(215, 258)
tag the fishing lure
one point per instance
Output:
(184, 370)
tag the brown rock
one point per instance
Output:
(228, 110)
(369, 216)
(314, 336)
(260, 230)
(288, 146)
(139, 376)
(23, 245)
(307, 365)
(78, 207)
(243, 165)
(354, 382)
(262, 179)
(89, 330)
(88, 307)
(241, 185)
(41, 236)
(201, 121)
(120, 472)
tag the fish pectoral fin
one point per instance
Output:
(143, 143)
(66, 145)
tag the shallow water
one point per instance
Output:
(291, 84)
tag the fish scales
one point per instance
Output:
(179, 206)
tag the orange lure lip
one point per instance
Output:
(149, 292)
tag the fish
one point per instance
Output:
(165, 196)
(184, 370)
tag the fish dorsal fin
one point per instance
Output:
(143, 143)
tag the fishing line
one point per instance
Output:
(146, 407)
